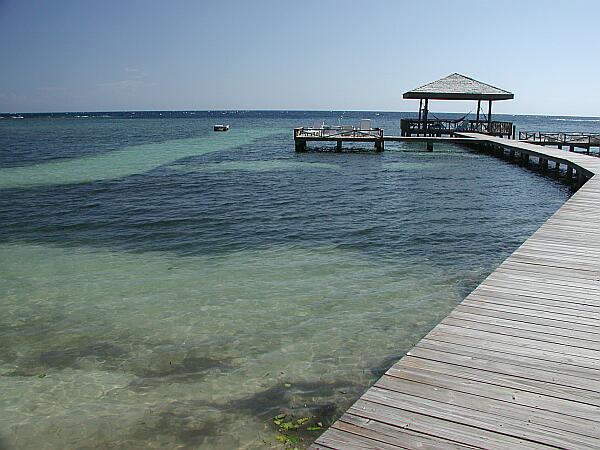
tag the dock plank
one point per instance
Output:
(389, 434)
(502, 393)
(490, 416)
(483, 375)
(470, 435)
(498, 403)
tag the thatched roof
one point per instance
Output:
(459, 87)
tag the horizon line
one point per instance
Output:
(270, 110)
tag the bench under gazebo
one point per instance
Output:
(456, 87)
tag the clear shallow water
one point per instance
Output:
(169, 287)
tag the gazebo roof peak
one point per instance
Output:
(458, 87)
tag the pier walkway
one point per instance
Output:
(516, 365)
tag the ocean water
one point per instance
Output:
(164, 286)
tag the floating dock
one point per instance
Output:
(516, 365)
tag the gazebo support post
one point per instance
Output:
(489, 130)
(420, 116)
(425, 112)
(478, 109)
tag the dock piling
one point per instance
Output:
(569, 172)
(300, 145)
(580, 179)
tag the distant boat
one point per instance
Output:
(221, 127)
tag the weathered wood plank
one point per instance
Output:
(533, 317)
(532, 286)
(516, 345)
(474, 436)
(497, 402)
(572, 301)
(550, 285)
(571, 375)
(488, 417)
(510, 326)
(584, 278)
(545, 309)
(401, 437)
(483, 375)
(538, 334)
(502, 393)
(340, 439)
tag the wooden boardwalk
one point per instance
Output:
(516, 365)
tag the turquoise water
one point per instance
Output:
(164, 286)
(124, 162)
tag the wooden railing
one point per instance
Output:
(338, 132)
(448, 126)
(494, 127)
(586, 139)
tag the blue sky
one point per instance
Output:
(272, 54)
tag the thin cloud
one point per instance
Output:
(51, 89)
(129, 84)
(135, 80)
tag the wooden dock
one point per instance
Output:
(516, 365)
(303, 135)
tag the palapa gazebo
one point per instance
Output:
(456, 87)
